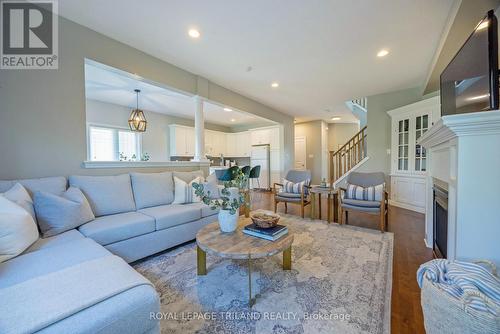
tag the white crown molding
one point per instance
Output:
(143, 164)
(471, 124)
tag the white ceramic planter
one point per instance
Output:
(227, 221)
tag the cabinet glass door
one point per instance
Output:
(403, 134)
(421, 127)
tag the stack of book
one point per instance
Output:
(272, 234)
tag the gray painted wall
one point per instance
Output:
(312, 132)
(42, 112)
(379, 126)
(340, 133)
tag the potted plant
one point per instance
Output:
(232, 196)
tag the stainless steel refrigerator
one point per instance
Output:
(260, 156)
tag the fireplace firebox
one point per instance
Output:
(440, 244)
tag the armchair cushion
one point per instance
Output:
(361, 203)
(288, 195)
(360, 208)
(294, 188)
(373, 193)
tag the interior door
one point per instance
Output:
(300, 153)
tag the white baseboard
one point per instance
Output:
(427, 244)
(407, 206)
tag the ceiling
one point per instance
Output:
(106, 84)
(321, 53)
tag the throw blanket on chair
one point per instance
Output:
(458, 278)
(63, 293)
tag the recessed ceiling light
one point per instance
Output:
(335, 118)
(275, 85)
(479, 97)
(193, 33)
(483, 25)
(228, 109)
(382, 53)
(233, 120)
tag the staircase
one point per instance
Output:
(350, 155)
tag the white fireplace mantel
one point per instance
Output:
(464, 152)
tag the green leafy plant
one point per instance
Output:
(227, 200)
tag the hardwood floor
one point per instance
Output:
(409, 253)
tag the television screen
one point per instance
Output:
(470, 82)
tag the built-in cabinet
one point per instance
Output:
(238, 144)
(408, 159)
(181, 141)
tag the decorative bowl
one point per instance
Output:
(265, 220)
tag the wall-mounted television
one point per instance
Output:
(470, 81)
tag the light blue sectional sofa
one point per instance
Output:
(79, 281)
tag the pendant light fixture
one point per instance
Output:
(137, 121)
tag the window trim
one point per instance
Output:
(116, 129)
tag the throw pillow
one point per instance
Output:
(184, 192)
(18, 230)
(364, 194)
(294, 188)
(211, 185)
(57, 214)
(19, 195)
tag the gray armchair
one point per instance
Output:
(302, 199)
(370, 207)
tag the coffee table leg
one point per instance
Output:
(287, 258)
(202, 261)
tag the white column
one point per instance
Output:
(199, 130)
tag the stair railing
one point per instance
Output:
(362, 102)
(348, 156)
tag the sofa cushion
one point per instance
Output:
(109, 229)
(54, 185)
(152, 189)
(56, 240)
(107, 195)
(189, 176)
(18, 230)
(206, 211)
(50, 259)
(57, 214)
(171, 215)
(19, 195)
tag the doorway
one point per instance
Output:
(300, 153)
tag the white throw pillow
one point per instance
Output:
(18, 230)
(19, 195)
(184, 192)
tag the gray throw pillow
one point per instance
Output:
(57, 214)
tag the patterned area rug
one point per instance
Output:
(340, 282)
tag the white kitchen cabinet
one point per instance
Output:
(231, 145)
(243, 147)
(408, 159)
(215, 143)
(181, 141)
(261, 136)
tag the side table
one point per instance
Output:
(332, 201)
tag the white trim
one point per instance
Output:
(428, 245)
(449, 127)
(407, 206)
(143, 164)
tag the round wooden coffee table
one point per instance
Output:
(237, 245)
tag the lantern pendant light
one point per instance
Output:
(137, 121)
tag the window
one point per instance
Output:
(113, 144)
(403, 137)
(422, 125)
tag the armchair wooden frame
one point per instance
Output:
(384, 209)
(304, 199)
